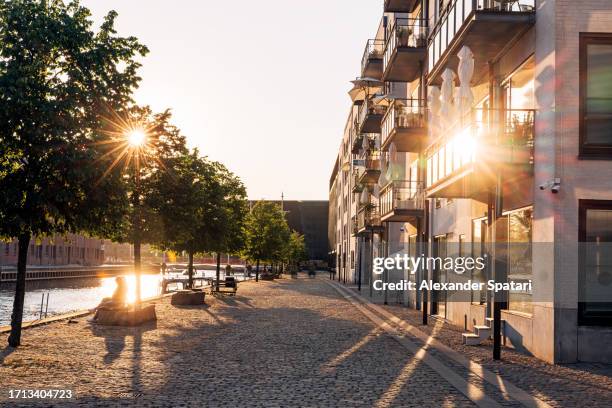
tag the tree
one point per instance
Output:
(233, 209)
(142, 144)
(57, 79)
(186, 196)
(266, 233)
(201, 206)
(295, 250)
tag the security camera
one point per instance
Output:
(556, 186)
(544, 186)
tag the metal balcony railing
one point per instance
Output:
(354, 225)
(498, 136)
(357, 142)
(404, 33)
(372, 160)
(402, 114)
(368, 108)
(402, 195)
(368, 216)
(374, 49)
(455, 13)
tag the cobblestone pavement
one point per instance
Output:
(567, 385)
(277, 344)
(283, 343)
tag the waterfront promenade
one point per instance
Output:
(290, 342)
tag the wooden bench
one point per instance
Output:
(229, 286)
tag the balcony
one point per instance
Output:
(369, 117)
(357, 143)
(405, 50)
(372, 167)
(486, 26)
(404, 126)
(400, 6)
(354, 226)
(368, 219)
(357, 186)
(467, 165)
(402, 201)
(372, 60)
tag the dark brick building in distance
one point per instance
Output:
(308, 217)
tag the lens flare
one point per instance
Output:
(136, 137)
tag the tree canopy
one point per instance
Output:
(200, 204)
(266, 232)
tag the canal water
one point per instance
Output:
(69, 295)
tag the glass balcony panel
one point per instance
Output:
(454, 17)
(475, 139)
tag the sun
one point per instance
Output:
(136, 137)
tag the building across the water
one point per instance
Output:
(69, 249)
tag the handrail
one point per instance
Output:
(403, 114)
(367, 108)
(402, 194)
(374, 49)
(407, 32)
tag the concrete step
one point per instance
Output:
(489, 321)
(471, 339)
(482, 331)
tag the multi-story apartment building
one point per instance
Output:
(485, 127)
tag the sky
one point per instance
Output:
(260, 86)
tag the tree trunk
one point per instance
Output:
(137, 269)
(257, 272)
(14, 339)
(190, 270)
(218, 269)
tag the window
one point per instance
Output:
(595, 273)
(479, 233)
(595, 95)
(520, 270)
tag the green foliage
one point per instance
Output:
(57, 78)
(201, 206)
(295, 250)
(142, 168)
(266, 232)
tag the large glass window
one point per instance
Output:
(595, 302)
(479, 233)
(596, 94)
(520, 258)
